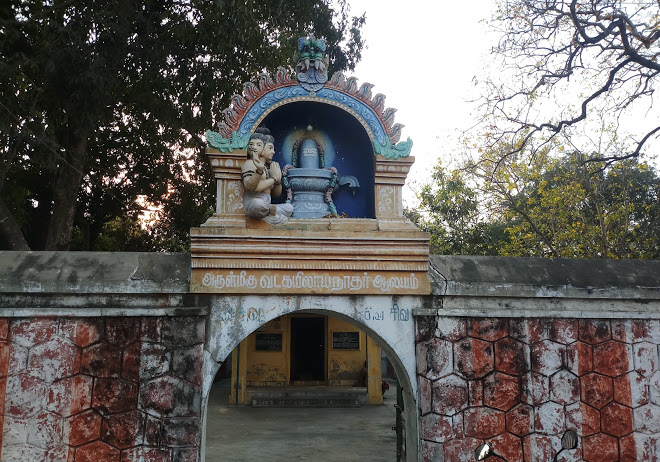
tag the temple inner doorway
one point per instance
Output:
(308, 361)
(297, 387)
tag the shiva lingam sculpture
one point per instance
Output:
(310, 183)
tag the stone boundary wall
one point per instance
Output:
(101, 358)
(522, 349)
(100, 389)
(520, 383)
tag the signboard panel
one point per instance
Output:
(308, 282)
(345, 340)
(268, 342)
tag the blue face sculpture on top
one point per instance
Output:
(312, 65)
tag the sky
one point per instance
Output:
(424, 58)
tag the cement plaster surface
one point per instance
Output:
(242, 434)
(142, 273)
(94, 272)
(573, 272)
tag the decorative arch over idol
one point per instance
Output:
(308, 239)
(360, 164)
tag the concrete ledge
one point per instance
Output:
(88, 312)
(94, 272)
(130, 301)
(157, 284)
(548, 307)
(100, 304)
(471, 276)
(424, 311)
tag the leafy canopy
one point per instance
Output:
(543, 205)
(102, 103)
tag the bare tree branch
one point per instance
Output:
(551, 52)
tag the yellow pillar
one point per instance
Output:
(238, 361)
(374, 373)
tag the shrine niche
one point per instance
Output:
(309, 173)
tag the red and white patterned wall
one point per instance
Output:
(520, 383)
(129, 388)
(104, 389)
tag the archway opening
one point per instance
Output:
(308, 385)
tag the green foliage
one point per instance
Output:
(190, 201)
(98, 101)
(121, 233)
(453, 217)
(544, 206)
(571, 207)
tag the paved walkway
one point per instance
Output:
(247, 434)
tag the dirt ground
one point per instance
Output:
(247, 434)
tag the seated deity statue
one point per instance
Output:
(262, 178)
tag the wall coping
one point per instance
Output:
(545, 287)
(66, 283)
(94, 272)
(545, 277)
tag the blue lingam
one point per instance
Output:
(310, 183)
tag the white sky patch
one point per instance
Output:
(425, 58)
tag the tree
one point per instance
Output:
(568, 206)
(565, 64)
(544, 205)
(454, 217)
(98, 100)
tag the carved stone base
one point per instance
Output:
(327, 256)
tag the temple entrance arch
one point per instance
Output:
(387, 320)
(309, 219)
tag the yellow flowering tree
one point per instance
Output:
(548, 204)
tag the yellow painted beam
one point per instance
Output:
(375, 375)
(239, 360)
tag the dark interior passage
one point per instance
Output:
(308, 349)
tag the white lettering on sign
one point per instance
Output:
(386, 284)
(230, 281)
(300, 280)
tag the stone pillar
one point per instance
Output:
(390, 177)
(374, 373)
(229, 197)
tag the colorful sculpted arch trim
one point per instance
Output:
(257, 101)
